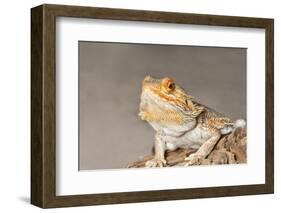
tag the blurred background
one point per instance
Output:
(110, 74)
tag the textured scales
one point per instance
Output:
(179, 121)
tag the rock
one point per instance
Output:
(231, 149)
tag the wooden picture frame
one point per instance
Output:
(43, 105)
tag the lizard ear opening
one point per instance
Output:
(168, 84)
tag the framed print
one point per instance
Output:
(135, 106)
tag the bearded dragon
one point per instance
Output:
(180, 122)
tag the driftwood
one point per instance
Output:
(231, 149)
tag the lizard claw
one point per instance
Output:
(193, 159)
(155, 162)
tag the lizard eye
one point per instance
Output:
(171, 85)
(168, 84)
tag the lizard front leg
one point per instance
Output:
(159, 157)
(197, 157)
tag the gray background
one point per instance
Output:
(111, 135)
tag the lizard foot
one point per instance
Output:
(194, 159)
(155, 162)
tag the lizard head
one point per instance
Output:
(165, 93)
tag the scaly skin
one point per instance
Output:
(179, 121)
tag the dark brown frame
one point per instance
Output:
(43, 105)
